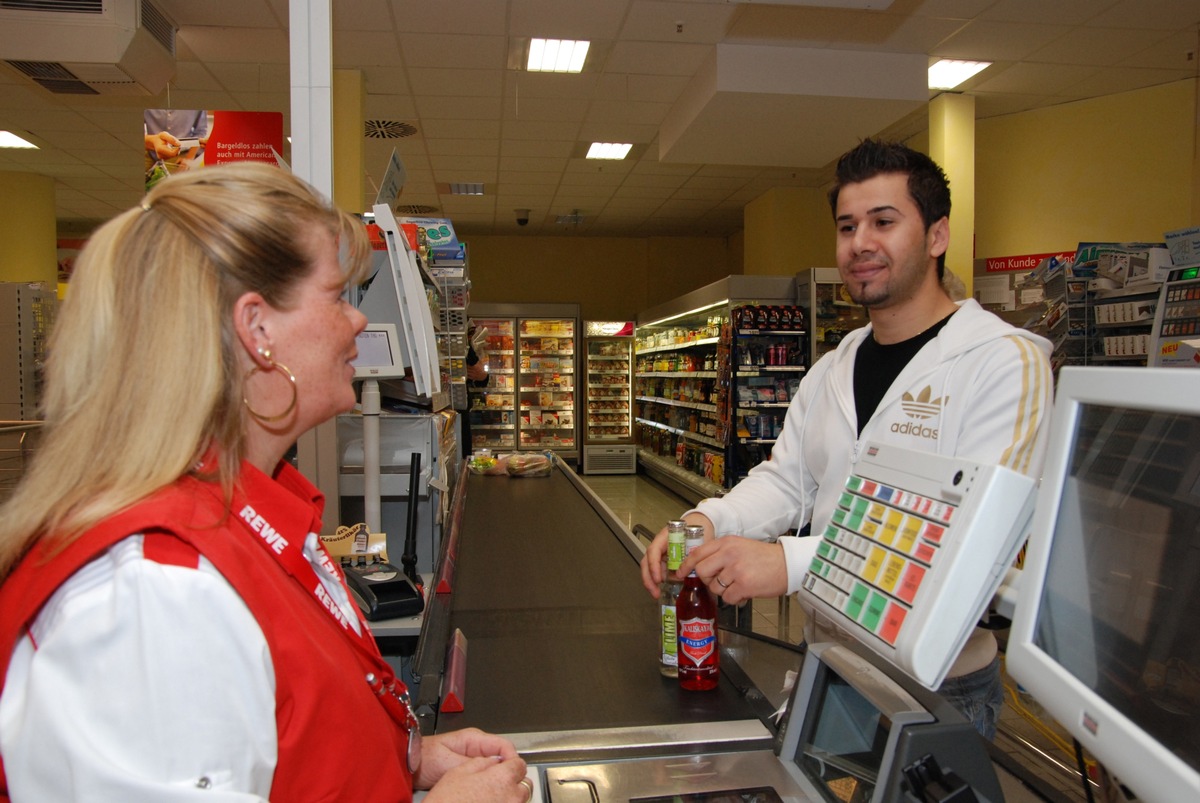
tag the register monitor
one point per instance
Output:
(396, 294)
(379, 353)
(1105, 633)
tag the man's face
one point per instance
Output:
(884, 254)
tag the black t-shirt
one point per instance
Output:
(876, 367)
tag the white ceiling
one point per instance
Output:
(442, 67)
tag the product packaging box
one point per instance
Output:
(1184, 245)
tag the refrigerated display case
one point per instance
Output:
(682, 408)
(831, 313)
(492, 408)
(541, 401)
(608, 423)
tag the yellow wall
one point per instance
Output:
(952, 145)
(349, 104)
(1115, 168)
(611, 278)
(27, 229)
(788, 229)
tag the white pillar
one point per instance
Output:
(311, 39)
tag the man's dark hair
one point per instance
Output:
(927, 182)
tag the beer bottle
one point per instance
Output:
(696, 618)
(668, 593)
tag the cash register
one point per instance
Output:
(855, 733)
(905, 568)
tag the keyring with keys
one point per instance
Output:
(406, 717)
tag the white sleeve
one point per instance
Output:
(148, 682)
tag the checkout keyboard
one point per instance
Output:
(915, 551)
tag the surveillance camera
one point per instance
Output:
(522, 217)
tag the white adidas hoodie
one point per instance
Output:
(981, 390)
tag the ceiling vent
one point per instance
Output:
(387, 129)
(89, 47)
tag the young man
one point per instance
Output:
(989, 383)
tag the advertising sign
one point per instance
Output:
(177, 140)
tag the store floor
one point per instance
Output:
(1031, 740)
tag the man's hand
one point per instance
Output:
(654, 562)
(163, 145)
(737, 568)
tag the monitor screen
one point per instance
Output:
(379, 355)
(1105, 635)
(842, 750)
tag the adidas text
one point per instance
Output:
(915, 430)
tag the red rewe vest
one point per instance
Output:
(337, 740)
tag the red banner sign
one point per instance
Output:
(1024, 262)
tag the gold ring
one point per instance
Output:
(722, 583)
(528, 784)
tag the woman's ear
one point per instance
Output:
(250, 324)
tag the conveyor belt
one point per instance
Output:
(561, 635)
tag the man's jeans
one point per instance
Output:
(978, 696)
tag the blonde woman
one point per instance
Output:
(170, 624)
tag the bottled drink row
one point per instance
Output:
(690, 648)
(704, 461)
(778, 354)
(697, 391)
(674, 362)
(682, 335)
(762, 318)
(700, 422)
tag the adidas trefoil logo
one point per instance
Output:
(921, 406)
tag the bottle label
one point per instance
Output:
(697, 640)
(670, 638)
(674, 550)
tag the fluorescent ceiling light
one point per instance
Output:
(556, 55)
(466, 189)
(948, 73)
(609, 150)
(10, 140)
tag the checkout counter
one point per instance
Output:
(543, 632)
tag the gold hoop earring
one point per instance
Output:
(275, 366)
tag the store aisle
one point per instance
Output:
(635, 500)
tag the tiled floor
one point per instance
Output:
(1035, 743)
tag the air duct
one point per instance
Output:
(89, 47)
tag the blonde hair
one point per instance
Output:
(142, 378)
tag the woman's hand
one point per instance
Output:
(483, 780)
(468, 765)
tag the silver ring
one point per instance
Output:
(722, 583)
(528, 784)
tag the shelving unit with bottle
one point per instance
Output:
(682, 420)
(770, 356)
